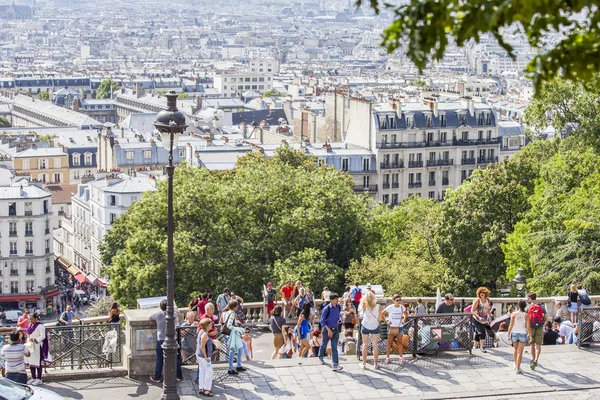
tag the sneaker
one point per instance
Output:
(36, 382)
(362, 366)
(154, 379)
(240, 369)
(321, 361)
(483, 350)
(232, 372)
(519, 372)
(179, 379)
(533, 364)
(29, 382)
(337, 368)
(376, 366)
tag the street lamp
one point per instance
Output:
(520, 281)
(170, 122)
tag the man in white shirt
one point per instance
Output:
(395, 315)
(565, 329)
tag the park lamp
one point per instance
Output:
(170, 122)
(520, 281)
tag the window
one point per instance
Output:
(88, 159)
(445, 178)
(345, 164)
(247, 80)
(446, 155)
(411, 178)
(25, 164)
(395, 199)
(254, 87)
(465, 136)
(47, 226)
(28, 228)
(430, 136)
(12, 229)
(443, 136)
(418, 177)
(225, 87)
(432, 178)
(408, 122)
(43, 163)
(321, 162)
(47, 242)
(57, 178)
(48, 282)
(366, 181)
(76, 160)
(112, 200)
(384, 139)
(13, 248)
(130, 155)
(489, 134)
(261, 79)
(480, 135)
(57, 163)
(181, 153)
(14, 287)
(443, 119)
(432, 195)
(225, 79)
(261, 87)
(147, 153)
(232, 79)
(463, 175)
(366, 164)
(112, 218)
(28, 208)
(432, 156)
(29, 267)
(76, 174)
(28, 247)
(385, 199)
(394, 138)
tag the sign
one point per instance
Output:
(444, 333)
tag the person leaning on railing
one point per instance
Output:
(114, 314)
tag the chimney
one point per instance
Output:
(435, 108)
(199, 102)
(76, 104)
(471, 106)
(244, 129)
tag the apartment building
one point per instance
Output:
(26, 256)
(234, 83)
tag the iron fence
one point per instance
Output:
(428, 334)
(589, 326)
(187, 339)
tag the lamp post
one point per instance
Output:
(520, 281)
(170, 122)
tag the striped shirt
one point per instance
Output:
(14, 360)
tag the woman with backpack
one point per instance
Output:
(300, 300)
(573, 306)
(519, 332)
(481, 315)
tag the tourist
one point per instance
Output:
(239, 314)
(447, 306)
(537, 319)
(38, 347)
(347, 295)
(329, 324)
(481, 314)
(248, 344)
(370, 289)
(23, 321)
(420, 309)
(66, 318)
(193, 306)
(14, 355)
(114, 314)
(271, 296)
(518, 331)
(369, 311)
(300, 300)
(310, 296)
(203, 301)
(204, 351)
(395, 315)
(565, 329)
(350, 318)
(584, 298)
(349, 343)
(573, 305)
(325, 296)
(289, 342)
(356, 295)
(560, 311)
(223, 300)
(161, 333)
(303, 330)
(287, 292)
(235, 344)
(297, 289)
(315, 342)
(551, 336)
(188, 340)
(276, 322)
(212, 332)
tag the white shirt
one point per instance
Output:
(370, 317)
(520, 325)
(326, 295)
(395, 315)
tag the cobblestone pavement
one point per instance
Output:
(563, 371)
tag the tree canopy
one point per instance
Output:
(4, 123)
(43, 95)
(427, 26)
(106, 89)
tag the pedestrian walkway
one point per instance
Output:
(563, 371)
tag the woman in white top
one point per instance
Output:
(519, 331)
(369, 311)
(37, 344)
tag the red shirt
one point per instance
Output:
(201, 305)
(287, 291)
(211, 332)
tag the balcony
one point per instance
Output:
(408, 145)
(28, 252)
(28, 212)
(12, 233)
(414, 185)
(29, 272)
(386, 185)
(432, 183)
(13, 252)
(14, 272)
(394, 165)
(488, 160)
(395, 185)
(472, 142)
(28, 233)
(433, 163)
(445, 182)
(468, 161)
(362, 188)
(415, 164)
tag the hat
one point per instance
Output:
(368, 286)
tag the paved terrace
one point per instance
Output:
(563, 372)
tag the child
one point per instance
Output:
(349, 338)
(247, 344)
(420, 308)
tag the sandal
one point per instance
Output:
(207, 393)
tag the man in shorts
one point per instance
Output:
(287, 293)
(395, 315)
(537, 333)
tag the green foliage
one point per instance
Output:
(28, 93)
(420, 82)
(182, 96)
(43, 96)
(309, 266)
(4, 123)
(426, 27)
(233, 227)
(273, 93)
(106, 89)
(46, 138)
(160, 92)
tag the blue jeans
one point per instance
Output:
(239, 359)
(159, 362)
(334, 345)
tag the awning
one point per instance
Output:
(80, 278)
(73, 270)
(19, 297)
(102, 284)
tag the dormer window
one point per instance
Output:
(383, 122)
(76, 160)
(409, 122)
(392, 122)
(462, 118)
(488, 118)
(428, 120)
(480, 119)
(442, 119)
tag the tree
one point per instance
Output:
(182, 96)
(4, 123)
(273, 93)
(427, 26)
(106, 89)
(233, 227)
(43, 95)
(311, 267)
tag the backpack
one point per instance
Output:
(585, 299)
(350, 349)
(58, 321)
(301, 301)
(536, 315)
(357, 295)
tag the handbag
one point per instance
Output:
(225, 329)
(394, 330)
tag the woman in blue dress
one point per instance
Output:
(303, 329)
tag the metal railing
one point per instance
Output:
(187, 340)
(588, 321)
